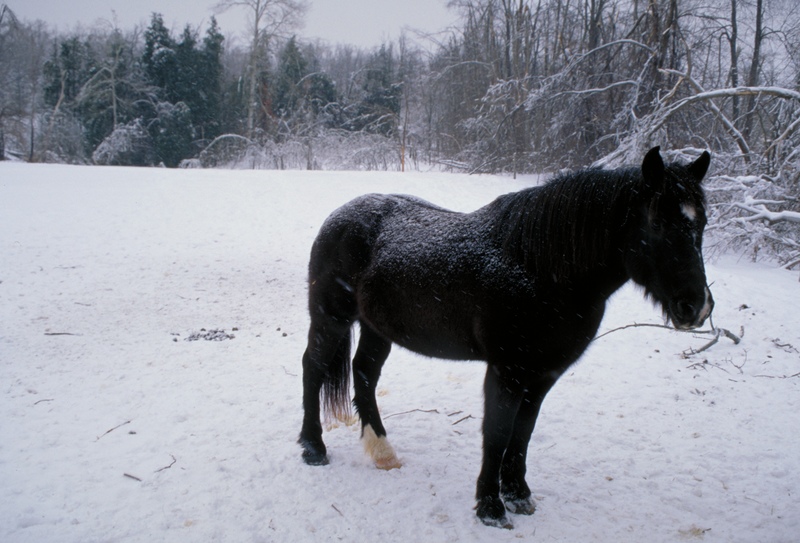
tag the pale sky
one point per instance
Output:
(364, 23)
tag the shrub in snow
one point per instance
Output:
(327, 150)
(128, 145)
(754, 215)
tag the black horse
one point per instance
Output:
(521, 283)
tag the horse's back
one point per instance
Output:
(362, 220)
(351, 235)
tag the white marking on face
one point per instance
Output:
(379, 449)
(689, 211)
(707, 307)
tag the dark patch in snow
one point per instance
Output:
(210, 335)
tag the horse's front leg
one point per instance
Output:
(513, 488)
(503, 394)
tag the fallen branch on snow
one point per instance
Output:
(462, 419)
(412, 411)
(716, 332)
(112, 429)
(169, 466)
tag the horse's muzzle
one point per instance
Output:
(686, 315)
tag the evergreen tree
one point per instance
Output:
(379, 109)
(188, 78)
(300, 94)
(172, 133)
(292, 68)
(160, 58)
(209, 79)
(187, 60)
(68, 69)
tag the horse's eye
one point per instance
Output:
(656, 226)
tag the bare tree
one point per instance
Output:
(267, 19)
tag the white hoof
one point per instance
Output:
(379, 449)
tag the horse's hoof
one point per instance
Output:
(314, 457)
(387, 464)
(380, 450)
(501, 522)
(492, 513)
(520, 506)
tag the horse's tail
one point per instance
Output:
(340, 253)
(336, 383)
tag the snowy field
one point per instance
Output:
(115, 428)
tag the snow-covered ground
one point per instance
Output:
(115, 428)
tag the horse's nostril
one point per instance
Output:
(685, 311)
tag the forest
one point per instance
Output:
(516, 86)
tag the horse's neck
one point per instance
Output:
(568, 235)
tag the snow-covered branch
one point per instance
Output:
(759, 212)
(597, 90)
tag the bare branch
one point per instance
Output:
(112, 429)
(716, 332)
(169, 466)
(761, 213)
(412, 411)
(626, 83)
(634, 325)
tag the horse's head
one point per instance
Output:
(666, 251)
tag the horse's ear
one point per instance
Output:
(699, 167)
(653, 169)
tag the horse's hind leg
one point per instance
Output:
(373, 349)
(325, 360)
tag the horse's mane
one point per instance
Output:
(567, 226)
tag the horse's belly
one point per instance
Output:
(429, 325)
(439, 347)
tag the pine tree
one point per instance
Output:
(172, 133)
(209, 81)
(379, 109)
(69, 67)
(160, 58)
(292, 68)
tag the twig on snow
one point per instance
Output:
(337, 510)
(635, 325)
(779, 376)
(716, 332)
(704, 366)
(112, 429)
(129, 476)
(169, 466)
(462, 419)
(412, 411)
